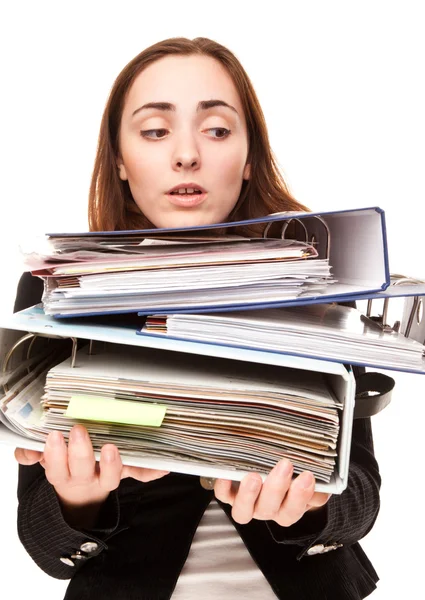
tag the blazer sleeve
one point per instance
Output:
(346, 517)
(56, 547)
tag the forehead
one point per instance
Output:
(183, 80)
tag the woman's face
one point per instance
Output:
(183, 142)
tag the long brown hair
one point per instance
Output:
(111, 205)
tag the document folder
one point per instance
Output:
(128, 330)
(354, 242)
(340, 381)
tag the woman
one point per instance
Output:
(183, 142)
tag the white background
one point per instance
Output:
(341, 85)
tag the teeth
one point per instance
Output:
(186, 191)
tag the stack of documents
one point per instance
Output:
(197, 413)
(328, 331)
(201, 409)
(100, 275)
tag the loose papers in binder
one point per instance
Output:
(224, 413)
(182, 275)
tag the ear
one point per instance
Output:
(122, 170)
(247, 171)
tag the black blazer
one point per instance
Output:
(145, 530)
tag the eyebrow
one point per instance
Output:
(202, 105)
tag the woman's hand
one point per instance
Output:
(81, 483)
(280, 498)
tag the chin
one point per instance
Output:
(189, 219)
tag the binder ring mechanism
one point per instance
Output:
(413, 316)
(32, 338)
(309, 229)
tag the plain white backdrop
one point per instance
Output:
(341, 85)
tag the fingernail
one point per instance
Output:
(283, 468)
(307, 480)
(109, 455)
(253, 484)
(55, 438)
(77, 434)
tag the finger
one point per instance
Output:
(224, 491)
(27, 457)
(110, 468)
(318, 500)
(274, 490)
(81, 459)
(142, 474)
(56, 459)
(299, 495)
(246, 497)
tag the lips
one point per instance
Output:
(187, 195)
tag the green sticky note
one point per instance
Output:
(96, 408)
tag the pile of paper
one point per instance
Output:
(101, 275)
(193, 408)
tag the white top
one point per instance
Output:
(219, 564)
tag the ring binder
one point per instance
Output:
(341, 381)
(351, 246)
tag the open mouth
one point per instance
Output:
(187, 197)
(186, 192)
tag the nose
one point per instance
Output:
(186, 154)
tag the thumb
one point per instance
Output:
(318, 500)
(27, 457)
(142, 474)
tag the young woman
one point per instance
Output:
(183, 142)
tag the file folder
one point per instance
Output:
(339, 378)
(127, 330)
(354, 241)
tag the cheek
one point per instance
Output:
(229, 167)
(142, 166)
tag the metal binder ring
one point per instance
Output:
(301, 222)
(286, 225)
(9, 354)
(32, 337)
(397, 279)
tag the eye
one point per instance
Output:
(154, 134)
(221, 132)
